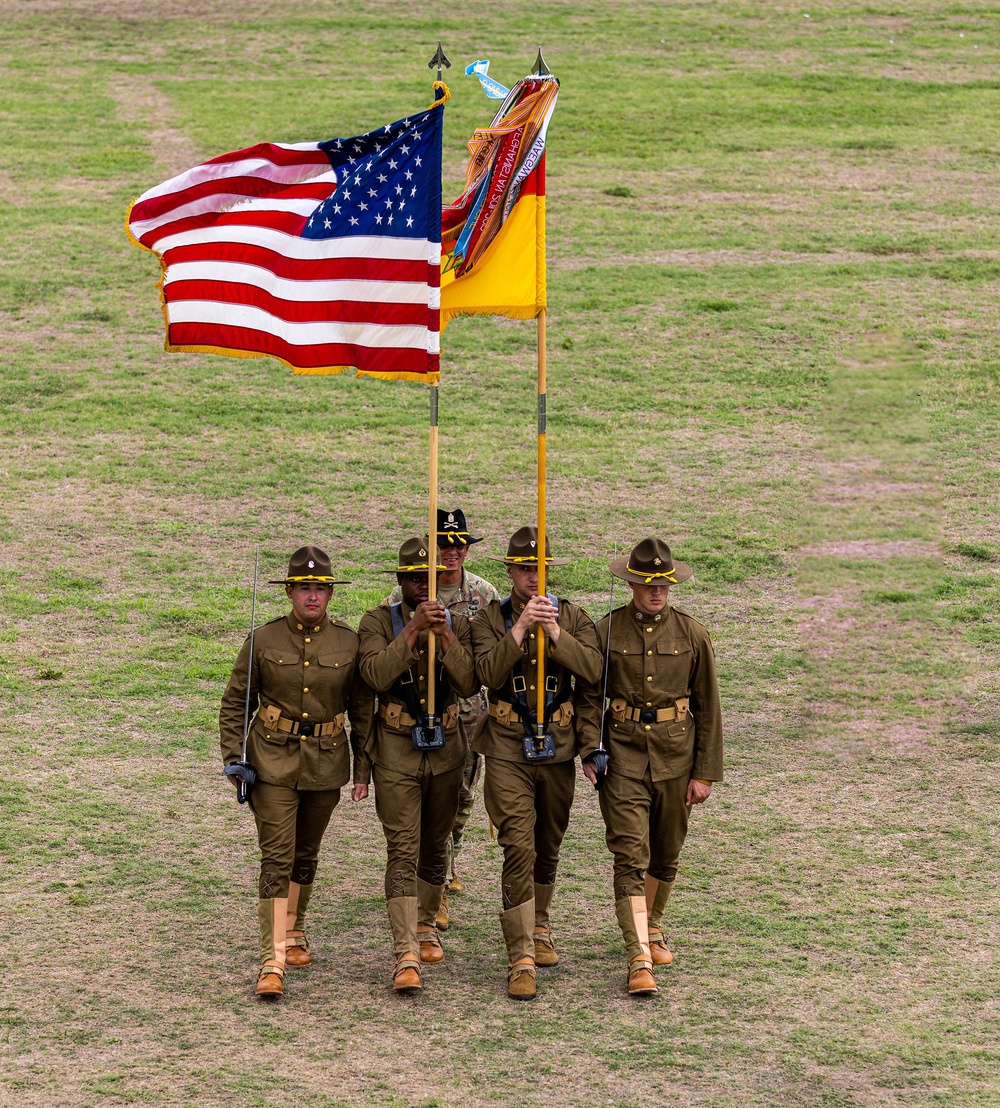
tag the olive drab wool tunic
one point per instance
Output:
(385, 657)
(497, 659)
(300, 675)
(655, 662)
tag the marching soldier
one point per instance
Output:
(303, 683)
(529, 787)
(418, 762)
(664, 736)
(465, 593)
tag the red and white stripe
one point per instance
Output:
(239, 278)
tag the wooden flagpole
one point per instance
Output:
(438, 60)
(542, 566)
(541, 69)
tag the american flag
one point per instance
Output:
(325, 255)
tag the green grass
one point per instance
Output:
(774, 266)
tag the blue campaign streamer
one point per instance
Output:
(493, 89)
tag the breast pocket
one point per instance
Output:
(336, 670)
(674, 661)
(276, 665)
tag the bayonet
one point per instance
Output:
(244, 773)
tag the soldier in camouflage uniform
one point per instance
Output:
(303, 678)
(462, 592)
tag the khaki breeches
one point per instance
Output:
(529, 805)
(417, 812)
(646, 823)
(290, 827)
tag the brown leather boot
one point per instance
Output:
(658, 949)
(406, 976)
(521, 980)
(431, 950)
(517, 923)
(640, 978)
(271, 914)
(270, 982)
(403, 919)
(657, 895)
(545, 951)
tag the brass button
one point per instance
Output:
(305, 690)
(531, 636)
(675, 651)
(421, 653)
(422, 677)
(624, 651)
(534, 661)
(648, 652)
(315, 629)
(649, 630)
(649, 678)
(305, 715)
(308, 639)
(306, 664)
(649, 703)
(648, 728)
(336, 665)
(334, 744)
(532, 688)
(299, 626)
(423, 701)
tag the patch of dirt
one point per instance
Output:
(140, 102)
(870, 550)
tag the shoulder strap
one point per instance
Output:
(396, 612)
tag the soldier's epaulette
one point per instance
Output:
(615, 611)
(277, 619)
(342, 623)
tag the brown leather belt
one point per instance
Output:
(301, 729)
(621, 711)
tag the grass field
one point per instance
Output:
(774, 337)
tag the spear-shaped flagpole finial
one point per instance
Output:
(541, 69)
(439, 60)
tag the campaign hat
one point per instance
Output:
(413, 557)
(522, 550)
(309, 563)
(453, 530)
(651, 563)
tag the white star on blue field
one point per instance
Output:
(389, 182)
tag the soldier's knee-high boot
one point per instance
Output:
(296, 944)
(657, 895)
(631, 913)
(403, 920)
(428, 905)
(272, 913)
(545, 951)
(518, 924)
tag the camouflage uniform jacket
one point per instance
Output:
(475, 594)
